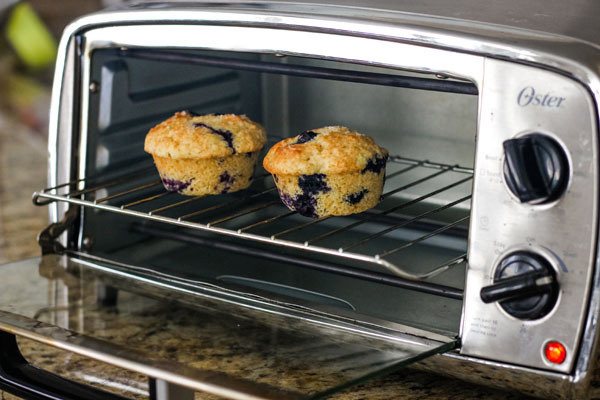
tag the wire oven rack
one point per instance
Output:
(83, 193)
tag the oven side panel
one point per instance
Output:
(63, 133)
(563, 231)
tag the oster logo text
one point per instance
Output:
(529, 97)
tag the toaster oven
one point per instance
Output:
(479, 262)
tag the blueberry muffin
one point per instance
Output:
(198, 155)
(328, 171)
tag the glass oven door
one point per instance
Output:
(223, 346)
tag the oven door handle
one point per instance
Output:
(22, 379)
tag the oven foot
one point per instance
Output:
(22, 379)
(163, 390)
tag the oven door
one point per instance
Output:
(225, 345)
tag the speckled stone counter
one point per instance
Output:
(23, 170)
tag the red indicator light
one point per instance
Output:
(555, 352)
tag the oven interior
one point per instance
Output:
(248, 242)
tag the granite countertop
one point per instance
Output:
(23, 170)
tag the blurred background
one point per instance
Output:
(29, 34)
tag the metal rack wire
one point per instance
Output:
(251, 206)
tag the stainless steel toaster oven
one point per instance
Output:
(479, 262)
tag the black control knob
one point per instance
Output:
(525, 285)
(536, 168)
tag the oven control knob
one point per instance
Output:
(536, 169)
(525, 285)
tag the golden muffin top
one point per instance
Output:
(327, 150)
(205, 136)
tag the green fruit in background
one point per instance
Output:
(29, 37)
